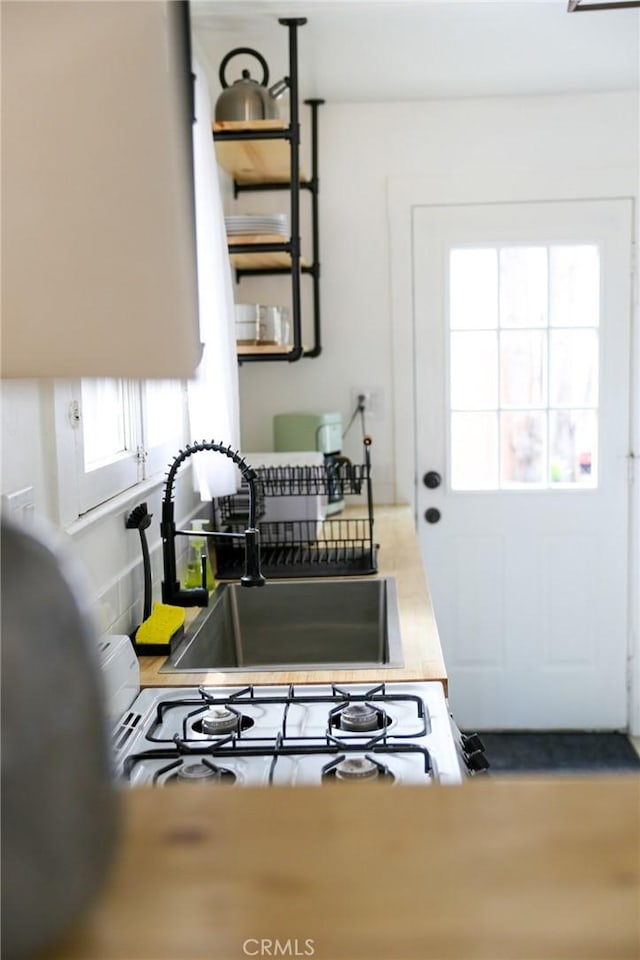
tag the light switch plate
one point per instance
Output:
(20, 504)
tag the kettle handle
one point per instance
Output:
(253, 53)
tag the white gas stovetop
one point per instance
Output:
(297, 735)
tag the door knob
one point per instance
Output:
(432, 515)
(432, 479)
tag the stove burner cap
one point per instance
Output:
(192, 772)
(357, 768)
(359, 716)
(219, 720)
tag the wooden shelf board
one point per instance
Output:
(255, 161)
(219, 126)
(258, 260)
(238, 239)
(244, 349)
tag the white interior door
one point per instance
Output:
(521, 324)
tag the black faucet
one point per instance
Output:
(172, 592)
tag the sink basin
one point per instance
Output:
(294, 625)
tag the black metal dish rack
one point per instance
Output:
(300, 548)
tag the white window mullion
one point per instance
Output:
(164, 422)
(136, 432)
(548, 373)
(69, 453)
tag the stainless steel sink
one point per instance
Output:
(294, 625)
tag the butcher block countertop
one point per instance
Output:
(500, 869)
(398, 557)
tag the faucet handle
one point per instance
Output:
(178, 596)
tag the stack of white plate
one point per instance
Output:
(244, 225)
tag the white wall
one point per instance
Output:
(372, 157)
(363, 149)
(109, 553)
(24, 432)
(634, 559)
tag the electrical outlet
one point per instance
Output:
(373, 401)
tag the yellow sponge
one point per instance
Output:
(165, 624)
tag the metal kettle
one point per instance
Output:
(247, 99)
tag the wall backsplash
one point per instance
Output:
(119, 608)
(117, 604)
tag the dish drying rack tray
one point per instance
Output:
(300, 548)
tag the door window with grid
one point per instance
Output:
(523, 363)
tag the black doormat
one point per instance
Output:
(559, 752)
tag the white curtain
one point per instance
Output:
(213, 393)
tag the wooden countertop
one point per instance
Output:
(399, 557)
(524, 869)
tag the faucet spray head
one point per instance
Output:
(252, 576)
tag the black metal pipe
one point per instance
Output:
(270, 271)
(275, 247)
(279, 185)
(292, 135)
(367, 459)
(294, 143)
(275, 133)
(316, 350)
(576, 6)
(294, 354)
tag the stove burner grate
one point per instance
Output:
(231, 748)
(350, 712)
(216, 716)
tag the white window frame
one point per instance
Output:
(82, 492)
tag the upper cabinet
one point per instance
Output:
(264, 155)
(99, 264)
